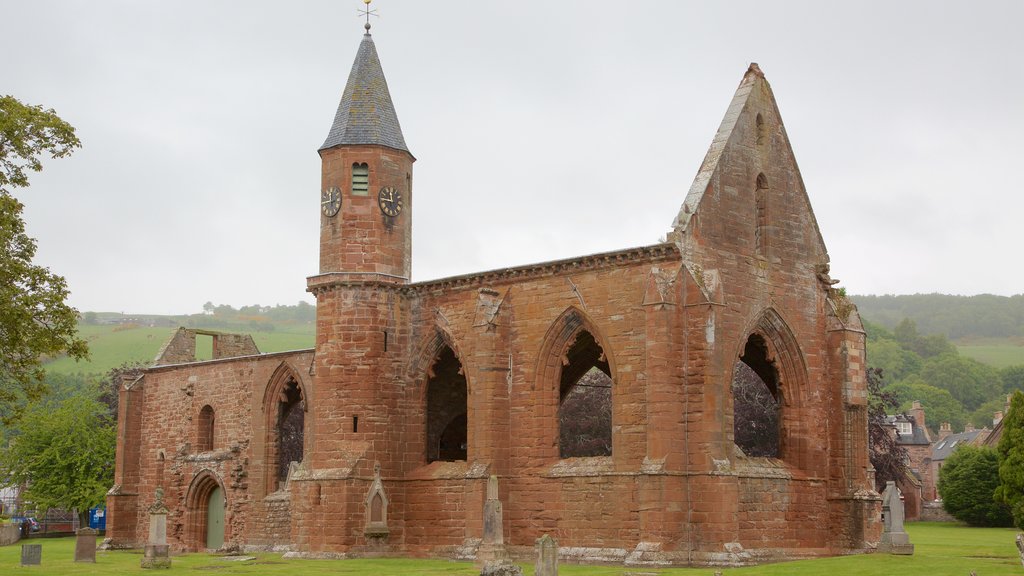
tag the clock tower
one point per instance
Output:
(366, 181)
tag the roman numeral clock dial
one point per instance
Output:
(390, 201)
(330, 201)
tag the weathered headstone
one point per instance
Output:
(895, 539)
(85, 545)
(1020, 547)
(31, 554)
(157, 553)
(547, 557)
(492, 554)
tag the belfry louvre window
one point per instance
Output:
(360, 179)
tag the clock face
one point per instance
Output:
(330, 201)
(390, 201)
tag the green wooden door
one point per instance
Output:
(215, 519)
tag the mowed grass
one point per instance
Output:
(940, 549)
(996, 354)
(112, 346)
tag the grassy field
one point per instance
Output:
(997, 353)
(940, 549)
(111, 346)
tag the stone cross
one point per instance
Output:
(157, 553)
(895, 539)
(547, 557)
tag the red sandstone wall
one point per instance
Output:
(166, 404)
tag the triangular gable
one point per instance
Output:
(739, 131)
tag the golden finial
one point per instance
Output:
(367, 12)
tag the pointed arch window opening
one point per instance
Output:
(447, 411)
(585, 400)
(290, 429)
(757, 401)
(761, 216)
(205, 429)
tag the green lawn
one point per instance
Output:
(941, 549)
(997, 354)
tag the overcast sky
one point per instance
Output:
(542, 130)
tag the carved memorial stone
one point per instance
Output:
(547, 557)
(895, 539)
(85, 545)
(31, 554)
(157, 553)
(492, 554)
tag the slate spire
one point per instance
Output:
(365, 114)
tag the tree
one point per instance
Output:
(35, 321)
(1013, 378)
(967, 484)
(63, 453)
(969, 381)
(939, 405)
(888, 457)
(110, 384)
(984, 416)
(585, 417)
(1011, 460)
(755, 414)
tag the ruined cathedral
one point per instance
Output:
(382, 438)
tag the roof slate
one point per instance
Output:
(366, 114)
(945, 447)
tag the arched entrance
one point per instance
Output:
(205, 506)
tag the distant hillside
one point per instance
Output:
(115, 339)
(960, 318)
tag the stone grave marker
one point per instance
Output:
(895, 539)
(157, 553)
(31, 554)
(492, 554)
(85, 545)
(547, 557)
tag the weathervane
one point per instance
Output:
(367, 12)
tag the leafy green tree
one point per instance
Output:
(924, 346)
(895, 362)
(983, 416)
(63, 453)
(35, 321)
(969, 381)
(939, 405)
(1013, 378)
(967, 483)
(1011, 460)
(888, 457)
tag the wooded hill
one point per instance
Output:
(957, 317)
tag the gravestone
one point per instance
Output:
(157, 553)
(492, 554)
(31, 554)
(547, 557)
(1020, 547)
(85, 545)
(895, 539)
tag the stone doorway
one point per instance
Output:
(206, 507)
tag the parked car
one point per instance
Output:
(33, 525)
